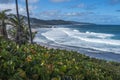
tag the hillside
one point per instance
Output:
(46, 23)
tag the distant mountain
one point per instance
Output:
(46, 23)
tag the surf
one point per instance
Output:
(74, 37)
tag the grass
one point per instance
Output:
(34, 62)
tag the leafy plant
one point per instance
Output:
(34, 62)
(3, 22)
(25, 36)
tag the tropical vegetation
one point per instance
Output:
(34, 62)
(24, 29)
(3, 23)
(12, 31)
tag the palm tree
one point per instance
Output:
(3, 19)
(31, 39)
(18, 39)
(25, 32)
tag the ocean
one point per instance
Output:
(99, 41)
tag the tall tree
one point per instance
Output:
(28, 17)
(25, 32)
(18, 27)
(3, 19)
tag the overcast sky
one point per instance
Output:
(93, 11)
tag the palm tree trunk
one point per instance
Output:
(4, 32)
(30, 32)
(18, 28)
(0, 29)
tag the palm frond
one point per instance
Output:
(7, 10)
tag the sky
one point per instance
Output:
(92, 11)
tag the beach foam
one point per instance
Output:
(73, 37)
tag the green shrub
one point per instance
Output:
(34, 62)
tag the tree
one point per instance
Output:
(31, 39)
(18, 39)
(24, 32)
(3, 19)
(25, 35)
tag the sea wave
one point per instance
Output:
(73, 37)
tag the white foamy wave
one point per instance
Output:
(88, 34)
(76, 30)
(55, 34)
(93, 37)
(100, 35)
(102, 41)
(98, 41)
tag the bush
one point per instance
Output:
(34, 62)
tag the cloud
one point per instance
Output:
(84, 6)
(73, 14)
(59, 14)
(76, 14)
(50, 14)
(81, 5)
(11, 1)
(65, 14)
(114, 2)
(12, 6)
(6, 1)
(31, 1)
(103, 19)
(57, 1)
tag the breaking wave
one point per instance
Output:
(73, 37)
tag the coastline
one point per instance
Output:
(102, 55)
(93, 53)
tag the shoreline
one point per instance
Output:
(101, 55)
(93, 53)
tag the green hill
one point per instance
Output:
(48, 23)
